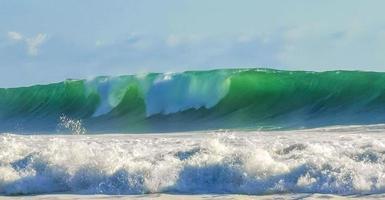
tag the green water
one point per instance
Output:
(199, 100)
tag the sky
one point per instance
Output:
(46, 41)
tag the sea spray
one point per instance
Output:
(75, 126)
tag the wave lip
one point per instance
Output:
(233, 163)
(199, 100)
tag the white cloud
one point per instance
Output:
(34, 43)
(15, 36)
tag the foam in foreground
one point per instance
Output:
(340, 160)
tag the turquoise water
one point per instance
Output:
(198, 100)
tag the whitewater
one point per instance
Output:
(347, 160)
(219, 134)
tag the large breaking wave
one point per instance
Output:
(199, 100)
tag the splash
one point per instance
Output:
(73, 125)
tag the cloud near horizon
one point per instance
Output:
(126, 37)
(292, 49)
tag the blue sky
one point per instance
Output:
(44, 41)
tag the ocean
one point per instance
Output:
(231, 133)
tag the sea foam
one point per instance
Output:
(340, 160)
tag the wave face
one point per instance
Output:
(343, 161)
(199, 100)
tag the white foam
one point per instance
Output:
(307, 161)
(172, 93)
(167, 93)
